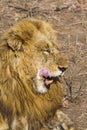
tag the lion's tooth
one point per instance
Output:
(50, 81)
(47, 82)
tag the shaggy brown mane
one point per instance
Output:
(21, 107)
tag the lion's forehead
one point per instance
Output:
(49, 55)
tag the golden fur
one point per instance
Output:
(25, 49)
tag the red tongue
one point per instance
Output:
(44, 73)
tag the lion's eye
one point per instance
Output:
(46, 52)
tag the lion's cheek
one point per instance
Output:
(25, 68)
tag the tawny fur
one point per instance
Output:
(21, 56)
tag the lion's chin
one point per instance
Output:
(43, 84)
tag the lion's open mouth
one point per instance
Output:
(48, 79)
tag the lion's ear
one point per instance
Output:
(15, 43)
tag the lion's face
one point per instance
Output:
(50, 64)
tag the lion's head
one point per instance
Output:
(30, 67)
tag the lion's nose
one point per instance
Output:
(62, 68)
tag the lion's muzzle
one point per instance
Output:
(48, 78)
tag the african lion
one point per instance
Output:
(30, 67)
